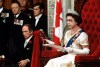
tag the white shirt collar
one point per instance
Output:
(37, 17)
(17, 14)
(1, 9)
(27, 40)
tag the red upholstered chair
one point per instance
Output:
(91, 25)
(42, 56)
(49, 53)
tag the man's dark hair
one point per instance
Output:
(29, 27)
(16, 3)
(77, 18)
(41, 5)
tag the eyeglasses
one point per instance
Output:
(70, 20)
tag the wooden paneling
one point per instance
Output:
(30, 3)
(7, 4)
(44, 2)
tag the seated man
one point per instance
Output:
(26, 54)
(75, 42)
(26, 51)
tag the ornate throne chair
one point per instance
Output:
(90, 24)
(40, 53)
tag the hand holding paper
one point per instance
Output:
(52, 44)
(49, 43)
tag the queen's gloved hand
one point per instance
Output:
(49, 42)
(68, 49)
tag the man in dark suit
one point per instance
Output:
(16, 37)
(26, 54)
(40, 20)
(25, 9)
(4, 27)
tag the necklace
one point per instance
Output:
(74, 31)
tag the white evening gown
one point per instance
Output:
(68, 59)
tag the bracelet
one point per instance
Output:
(63, 50)
(72, 49)
(27, 60)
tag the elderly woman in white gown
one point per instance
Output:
(75, 42)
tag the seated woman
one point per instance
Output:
(75, 42)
